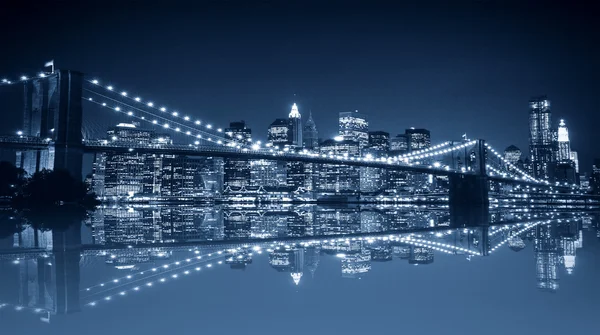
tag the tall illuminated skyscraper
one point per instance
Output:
(512, 154)
(564, 145)
(295, 121)
(354, 126)
(575, 160)
(418, 139)
(310, 134)
(540, 136)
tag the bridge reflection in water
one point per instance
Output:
(145, 247)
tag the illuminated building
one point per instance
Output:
(338, 177)
(546, 248)
(357, 264)
(279, 133)
(239, 260)
(399, 144)
(129, 174)
(266, 173)
(379, 142)
(238, 132)
(540, 136)
(296, 177)
(311, 259)
(564, 145)
(420, 255)
(189, 177)
(512, 154)
(354, 126)
(295, 122)
(310, 134)
(575, 160)
(418, 139)
(237, 171)
(297, 264)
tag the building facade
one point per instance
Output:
(310, 134)
(540, 136)
(295, 122)
(354, 126)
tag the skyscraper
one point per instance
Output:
(399, 144)
(279, 133)
(239, 133)
(379, 142)
(418, 139)
(575, 160)
(564, 145)
(310, 135)
(237, 171)
(540, 136)
(512, 154)
(295, 121)
(354, 126)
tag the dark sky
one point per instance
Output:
(467, 67)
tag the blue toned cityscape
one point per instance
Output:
(299, 167)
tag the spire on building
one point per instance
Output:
(296, 277)
(294, 113)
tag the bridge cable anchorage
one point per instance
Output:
(150, 104)
(197, 134)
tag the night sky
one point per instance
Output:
(468, 67)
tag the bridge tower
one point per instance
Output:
(53, 110)
(470, 190)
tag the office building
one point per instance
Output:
(540, 136)
(295, 122)
(237, 171)
(310, 134)
(399, 144)
(379, 142)
(564, 145)
(279, 133)
(354, 126)
(575, 160)
(238, 132)
(418, 139)
(512, 155)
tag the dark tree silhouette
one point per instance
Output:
(11, 179)
(53, 188)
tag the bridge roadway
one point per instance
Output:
(98, 249)
(96, 146)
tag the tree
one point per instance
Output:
(53, 187)
(11, 178)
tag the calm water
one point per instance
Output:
(299, 270)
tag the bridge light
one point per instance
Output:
(220, 130)
(95, 81)
(188, 132)
(4, 80)
(220, 142)
(118, 109)
(19, 133)
(177, 129)
(209, 126)
(187, 118)
(110, 88)
(197, 122)
(104, 104)
(90, 99)
(255, 147)
(124, 93)
(130, 113)
(42, 75)
(150, 104)
(175, 113)
(197, 142)
(154, 121)
(138, 99)
(23, 78)
(114, 138)
(198, 136)
(166, 125)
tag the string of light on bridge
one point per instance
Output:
(155, 270)
(163, 109)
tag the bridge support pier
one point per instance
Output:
(53, 110)
(468, 190)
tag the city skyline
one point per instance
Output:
(479, 74)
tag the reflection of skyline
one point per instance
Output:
(554, 243)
